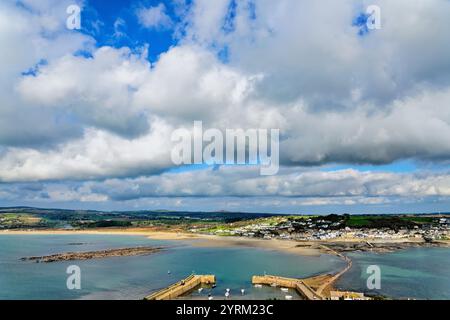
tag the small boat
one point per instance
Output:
(214, 285)
(288, 297)
(258, 285)
(168, 272)
(228, 290)
(227, 294)
(273, 285)
(242, 291)
(210, 298)
(200, 290)
(285, 289)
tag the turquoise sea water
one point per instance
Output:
(421, 273)
(418, 273)
(136, 277)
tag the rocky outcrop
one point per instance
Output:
(101, 254)
(344, 247)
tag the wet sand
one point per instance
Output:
(197, 240)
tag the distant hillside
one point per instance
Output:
(27, 217)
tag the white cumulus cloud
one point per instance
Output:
(155, 17)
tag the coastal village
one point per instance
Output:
(333, 231)
(335, 228)
(331, 234)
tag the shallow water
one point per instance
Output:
(136, 277)
(419, 273)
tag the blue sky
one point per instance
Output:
(364, 123)
(100, 17)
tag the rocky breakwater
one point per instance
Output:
(384, 247)
(101, 254)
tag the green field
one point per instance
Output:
(222, 222)
(357, 221)
(22, 219)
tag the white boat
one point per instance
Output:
(227, 294)
(200, 290)
(210, 298)
(242, 291)
(273, 285)
(288, 297)
(258, 285)
(285, 289)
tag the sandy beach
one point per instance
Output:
(198, 240)
(323, 283)
(307, 248)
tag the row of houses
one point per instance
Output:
(325, 230)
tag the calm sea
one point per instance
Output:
(418, 273)
(421, 273)
(136, 277)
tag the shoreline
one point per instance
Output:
(323, 283)
(306, 248)
(196, 240)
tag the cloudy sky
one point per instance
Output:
(86, 116)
